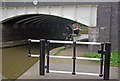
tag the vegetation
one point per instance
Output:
(59, 51)
(84, 30)
(82, 25)
(114, 59)
(4, 43)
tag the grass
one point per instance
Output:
(59, 51)
(4, 43)
(84, 30)
(84, 40)
(114, 59)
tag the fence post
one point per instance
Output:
(107, 61)
(29, 47)
(74, 57)
(42, 57)
(48, 42)
(101, 65)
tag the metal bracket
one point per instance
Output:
(101, 52)
(73, 57)
(29, 55)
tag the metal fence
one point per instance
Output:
(104, 50)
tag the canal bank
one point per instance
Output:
(24, 42)
(13, 43)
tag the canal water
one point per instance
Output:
(15, 60)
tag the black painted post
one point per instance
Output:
(42, 57)
(102, 52)
(29, 47)
(107, 61)
(74, 57)
(48, 42)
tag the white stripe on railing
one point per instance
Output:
(68, 57)
(65, 57)
(71, 42)
(56, 41)
(89, 43)
(85, 58)
(35, 55)
(53, 71)
(35, 40)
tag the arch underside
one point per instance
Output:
(34, 26)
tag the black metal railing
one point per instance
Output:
(104, 50)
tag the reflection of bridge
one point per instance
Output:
(23, 20)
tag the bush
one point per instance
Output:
(114, 59)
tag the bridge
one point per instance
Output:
(39, 19)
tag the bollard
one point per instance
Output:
(42, 57)
(107, 61)
(74, 57)
(48, 42)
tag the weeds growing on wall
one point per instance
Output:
(114, 59)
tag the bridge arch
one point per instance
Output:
(86, 14)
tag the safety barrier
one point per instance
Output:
(104, 50)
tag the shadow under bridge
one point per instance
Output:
(34, 26)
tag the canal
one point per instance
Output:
(15, 60)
